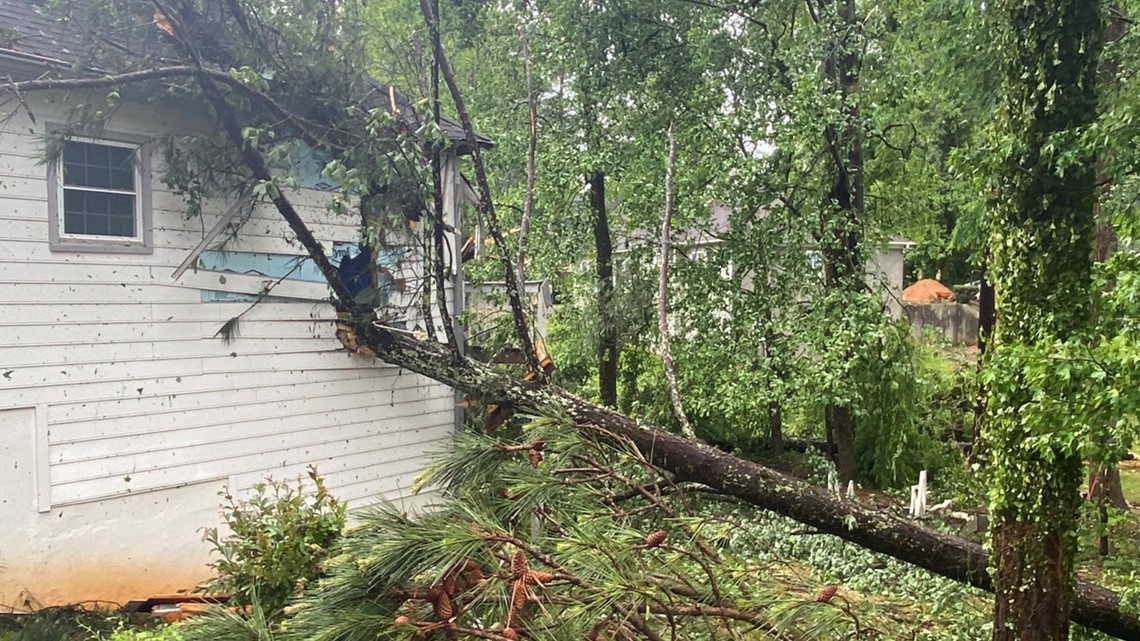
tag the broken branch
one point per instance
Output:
(486, 205)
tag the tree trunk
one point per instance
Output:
(663, 295)
(841, 426)
(1104, 480)
(776, 427)
(531, 149)
(843, 208)
(1041, 246)
(604, 264)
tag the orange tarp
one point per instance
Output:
(927, 290)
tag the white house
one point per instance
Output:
(121, 415)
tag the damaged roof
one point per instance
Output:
(32, 42)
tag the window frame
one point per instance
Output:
(142, 241)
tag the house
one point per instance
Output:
(122, 415)
(884, 263)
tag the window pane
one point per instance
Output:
(90, 213)
(100, 166)
(74, 152)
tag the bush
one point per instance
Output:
(277, 541)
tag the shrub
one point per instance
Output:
(276, 543)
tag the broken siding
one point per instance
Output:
(140, 395)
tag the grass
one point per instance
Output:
(1130, 481)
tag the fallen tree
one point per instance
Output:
(684, 459)
(691, 460)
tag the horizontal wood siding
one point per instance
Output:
(142, 396)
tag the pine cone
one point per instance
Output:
(449, 582)
(509, 633)
(473, 572)
(443, 608)
(656, 539)
(826, 593)
(403, 620)
(518, 597)
(540, 578)
(535, 457)
(518, 565)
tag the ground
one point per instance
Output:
(1130, 480)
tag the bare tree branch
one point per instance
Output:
(437, 180)
(487, 206)
(531, 149)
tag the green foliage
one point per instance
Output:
(560, 515)
(61, 623)
(274, 542)
(255, 623)
(158, 633)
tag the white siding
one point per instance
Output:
(140, 395)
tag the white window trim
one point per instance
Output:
(142, 241)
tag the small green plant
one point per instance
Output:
(276, 542)
(160, 633)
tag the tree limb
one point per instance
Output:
(253, 160)
(437, 208)
(531, 149)
(303, 127)
(486, 205)
(663, 294)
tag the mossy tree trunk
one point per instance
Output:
(1041, 244)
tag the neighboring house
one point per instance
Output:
(122, 415)
(884, 265)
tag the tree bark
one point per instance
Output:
(604, 269)
(776, 427)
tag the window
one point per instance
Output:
(99, 196)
